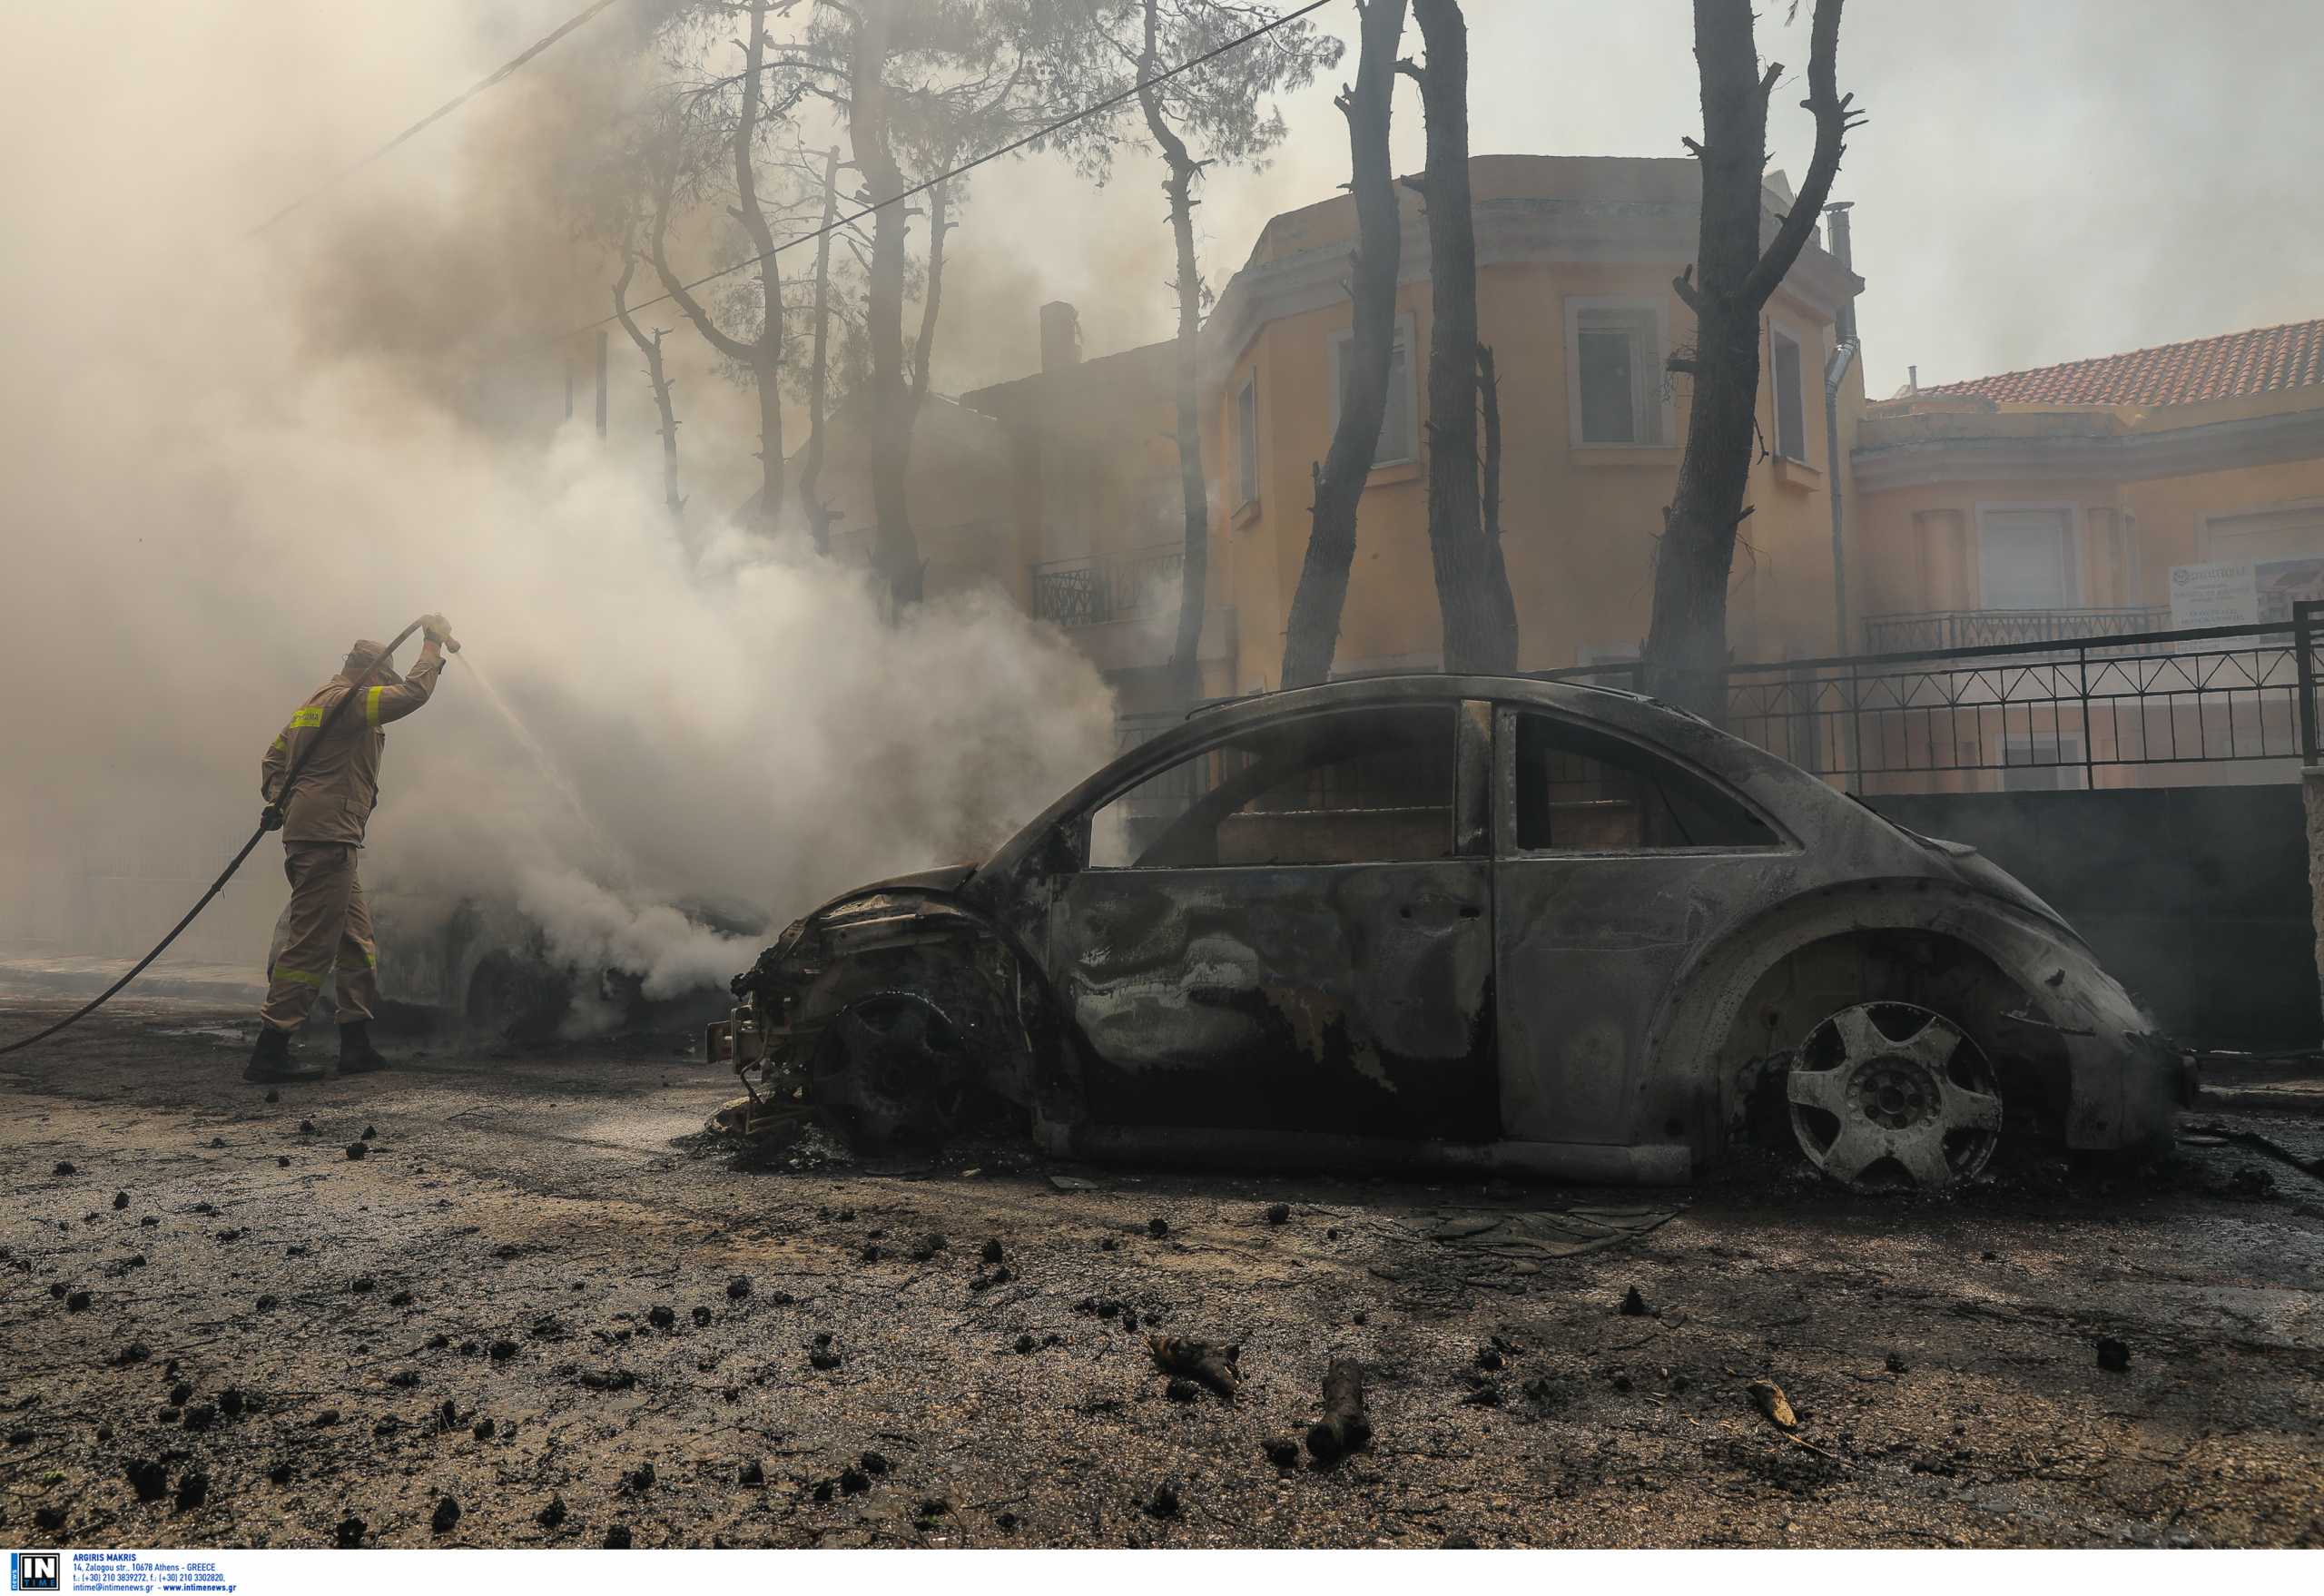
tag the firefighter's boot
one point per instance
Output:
(357, 1056)
(271, 1064)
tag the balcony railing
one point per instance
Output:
(1987, 628)
(1101, 587)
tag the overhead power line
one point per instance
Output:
(446, 109)
(1038, 133)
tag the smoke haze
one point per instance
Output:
(226, 459)
(222, 459)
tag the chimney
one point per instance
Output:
(1060, 336)
(1913, 378)
(1843, 250)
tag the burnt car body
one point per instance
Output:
(1475, 922)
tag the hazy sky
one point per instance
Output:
(2040, 180)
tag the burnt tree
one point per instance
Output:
(1225, 112)
(651, 349)
(1311, 634)
(895, 552)
(1489, 385)
(1186, 667)
(1727, 288)
(1472, 595)
(931, 297)
(922, 85)
(811, 464)
(761, 355)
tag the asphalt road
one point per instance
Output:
(468, 1314)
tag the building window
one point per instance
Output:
(1615, 357)
(1791, 410)
(1399, 436)
(2026, 557)
(1247, 440)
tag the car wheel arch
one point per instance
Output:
(1745, 1002)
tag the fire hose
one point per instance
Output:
(268, 822)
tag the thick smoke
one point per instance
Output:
(224, 459)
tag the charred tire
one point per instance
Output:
(518, 998)
(889, 1074)
(1894, 1093)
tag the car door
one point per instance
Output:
(1292, 930)
(1613, 862)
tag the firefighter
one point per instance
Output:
(325, 932)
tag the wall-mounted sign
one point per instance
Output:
(2222, 594)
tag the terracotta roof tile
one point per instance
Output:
(2231, 366)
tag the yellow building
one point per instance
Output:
(2180, 485)
(2166, 488)
(2056, 503)
(1575, 262)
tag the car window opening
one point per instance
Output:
(1580, 792)
(1353, 787)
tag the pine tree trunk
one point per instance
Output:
(1727, 288)
(1311, 634)
(1194, 581)
(762, 356)
(811, 468)
(896, 552)
(1488, 394)
(658, 375)
(766, 354)
(1478, 615)
(672, 499)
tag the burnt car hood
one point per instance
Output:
(944, 878)
(943, 881)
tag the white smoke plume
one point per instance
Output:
(222, 459)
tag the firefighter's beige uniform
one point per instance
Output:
(327, 926)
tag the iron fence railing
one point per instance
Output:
(2042, 714)
(1985, 628)
(1100, 587)
(2036, 714)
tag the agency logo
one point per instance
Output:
(36, 1570)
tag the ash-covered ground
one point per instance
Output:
(541, 1310)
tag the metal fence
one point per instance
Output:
(1100, 587)
(2039, 715)
(2017, 715)
(1985, 628)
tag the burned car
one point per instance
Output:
(1470, 922)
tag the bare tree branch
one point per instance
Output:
(1834, 120)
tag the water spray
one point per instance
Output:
(548, 767)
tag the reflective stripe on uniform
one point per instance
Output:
(305, 978)
(371, 707)
(310, 715)
(280, 745)
(371, 959)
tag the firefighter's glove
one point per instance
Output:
(270, 819)
(438, 629)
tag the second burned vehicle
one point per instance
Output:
(1469, 923)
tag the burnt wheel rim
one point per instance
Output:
(1892, 1090)
(888, 1077)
